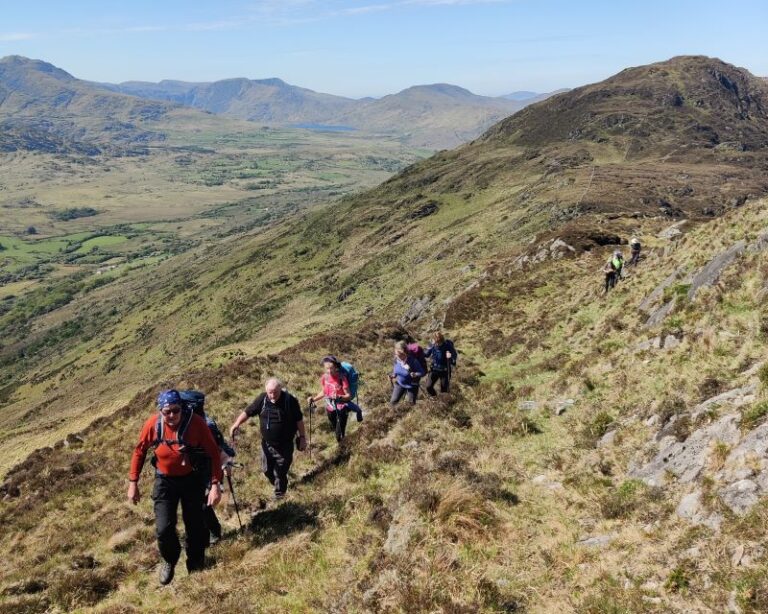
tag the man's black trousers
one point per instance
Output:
(276, 459)
(167, 494)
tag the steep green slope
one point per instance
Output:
(489, 500)
(484, 501)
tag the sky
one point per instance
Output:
(359, 48)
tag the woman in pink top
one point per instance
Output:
(338, 399)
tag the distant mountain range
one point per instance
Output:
(434, 116)
(44, 107)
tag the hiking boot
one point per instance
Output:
(193, 566)
(360, 416)
(214, 539)
(279, 496)
(165, 572)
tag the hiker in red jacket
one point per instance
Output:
(179, 439)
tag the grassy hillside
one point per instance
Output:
(539, 484)
(483, 501)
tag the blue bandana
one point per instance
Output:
(168, 397)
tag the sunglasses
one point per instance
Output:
(170, 411)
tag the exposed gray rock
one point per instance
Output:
(658, 291)
(761, 243)
(404, 527)
(607, 439)
(559, 248)
(670, 342)
(733, 605)
(648, 344)
(528, 405)
(561, 407)
(686, 460)
(73, 440)
(416, 309)
(673, 231)
(735, 397)
(740, 496)
(597, 541)
(545, 482)
(658, 315)
(710, 273)
(692, 510)
(738, 555)
(411, 445)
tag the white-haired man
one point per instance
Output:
(280, 419)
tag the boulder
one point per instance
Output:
(416, 310)
(404, 527)
(658, 291)
(740, 496)
(670, 342)
(672, 231)
(596, 541)
(692, 510)
(735, 397)
(658, 316)
(685, 460)
(710, 273)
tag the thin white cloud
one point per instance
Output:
(11, 37)
(372, 8)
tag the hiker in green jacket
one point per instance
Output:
(618, 263)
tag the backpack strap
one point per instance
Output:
(186, 419)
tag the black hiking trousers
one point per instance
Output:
(212, 522)
(338, 420)
(166, 494)
(276, 459)
(610, 280)
(435, 375)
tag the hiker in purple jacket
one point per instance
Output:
(405, 375)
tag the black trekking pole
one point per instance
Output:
(311, 411)
(234, 499)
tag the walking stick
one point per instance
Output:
(311, 411)
(234, 500)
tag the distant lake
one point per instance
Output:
(324, 128)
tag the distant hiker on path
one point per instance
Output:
(280, 418)
(337, 392)
(634, 246)
(618, 264)
(177, 435)
(443, 356)
(610, 275)
(405, 375)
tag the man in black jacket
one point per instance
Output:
(280, 419)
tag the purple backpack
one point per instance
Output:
(415, 350)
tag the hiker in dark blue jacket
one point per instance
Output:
(443, 356)
(405, 376)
